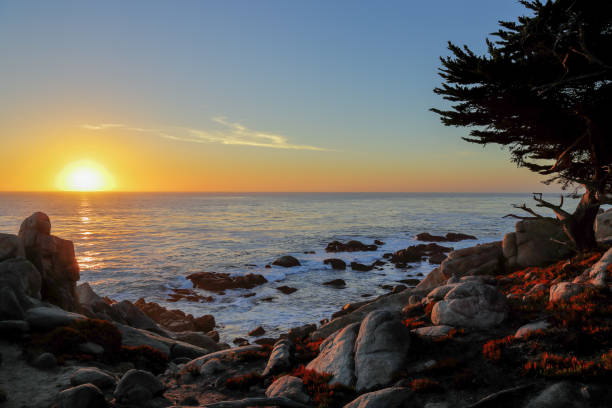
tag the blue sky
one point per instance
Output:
(353, 78)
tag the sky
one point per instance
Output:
(242, 95)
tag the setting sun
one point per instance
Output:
(84, 175)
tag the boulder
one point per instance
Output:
(470, 304)
(212, 367)
(563, 291)
(131, 336)
(532, 244)
(603, 226)
(13, 327)
(450, 237)
(338, 283)
(350, 246)
(45, 361)
(10, 308)
(258, 332)
(48, 318)
(133, 316)
(91, 348)
(433, 279)
(296, 333)
(289, 387)
(286, 261)
(219, 282)
(485, 259)
(432, 331)
(529, 328)
(280, 358)
(95, 376)
(54, 258)
(336, 356)
(438, 293)
(394, 397)
(230, 354)
(82, 396)
(21, 277)
(198, 339)
(137, 387)
(95, 306)
(380, 349)
(598, 275)
(560, 395)
(335, 263)
(9, 247)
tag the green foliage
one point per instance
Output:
(543, 90)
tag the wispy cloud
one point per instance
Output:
(227, 133)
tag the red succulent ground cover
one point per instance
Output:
(243, 382)
(316, 385)
(306, 351)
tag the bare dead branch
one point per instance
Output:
(258, 402)
(518, 217)
(559, 212)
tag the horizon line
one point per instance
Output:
(270, 192)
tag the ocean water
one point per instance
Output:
(132, 245)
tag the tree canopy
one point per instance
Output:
(544, 91)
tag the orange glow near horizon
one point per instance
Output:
(84, 175)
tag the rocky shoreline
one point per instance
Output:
(518, 322)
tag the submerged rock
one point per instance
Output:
(450, 237)
(416, 253)
(356, 266)
(287, 290)
(338, 283)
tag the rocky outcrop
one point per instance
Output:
(356, 266)
(416, 253)
(603, 226)
(10, 247)
(19, 288)
(286, 261)
(95, 376)
(350, 246)
(336, 356)
(394, 397)
(533, 243)
(219, 282)
(529, 328)
(450, 237)
(598, 275)
(563, 291)
(335, 263)
(133, 316)
(380, 349)
(485, 259)
(433, 332)
(175, 320)
(54, 258)
(470, 304)
(48, 318)
(289, 387)
(280, 358)
(561, 394)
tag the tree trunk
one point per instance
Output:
(580, 226)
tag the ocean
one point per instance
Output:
(132, 245)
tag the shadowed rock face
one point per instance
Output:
(55, 260)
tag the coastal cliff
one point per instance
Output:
(518, 322)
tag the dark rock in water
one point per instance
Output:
(378, 262)
(378, 242)
(351, 246)
(416, 253)
(248, 295)
(410, 282)
(419, 274)
(54, 258)
(387, 255)
(450, 237)
(189, 295)
(218, 282)
(239, 341)
(335, 263)
(287, 290)
(286, 261)
(386, 287)
(366, 295)
(260, 331)
(339, 283)
(213, 334)
(267, 341)
(85, 395)
(268, 299)
(268, 266)
(309, 252)
(175, 320)
(356, 266)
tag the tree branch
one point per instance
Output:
(564, 158)
(559, 212)
(258, 402)
(547, 87)
(526, 209)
